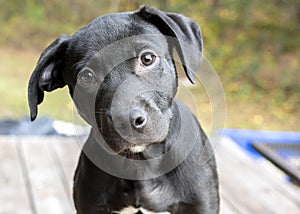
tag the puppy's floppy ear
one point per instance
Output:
(185, 30)
(48, 73)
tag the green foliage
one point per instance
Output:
(253, 45)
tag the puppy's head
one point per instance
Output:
(121, 74)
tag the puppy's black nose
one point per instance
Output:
(138, 118)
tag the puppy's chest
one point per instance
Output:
(147, 199)
(139, 210)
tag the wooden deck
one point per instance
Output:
(36, 178)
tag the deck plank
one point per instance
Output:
(67, 152)
(13, 194)
(246, 186)
(251, 188)
(47, 187)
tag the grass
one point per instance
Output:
(254, 111)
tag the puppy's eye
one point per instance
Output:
(86, 77)
(148, 58)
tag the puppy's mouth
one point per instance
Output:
(134, 152)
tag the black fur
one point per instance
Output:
(190, 187)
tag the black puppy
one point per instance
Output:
(146, 152)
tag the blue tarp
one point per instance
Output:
(244, 138)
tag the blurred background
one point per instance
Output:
(253, 46)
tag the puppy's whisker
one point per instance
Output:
(101, 111)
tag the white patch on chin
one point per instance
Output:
(132, 210)
(137, 148)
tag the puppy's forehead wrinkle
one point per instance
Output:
(111, 28)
